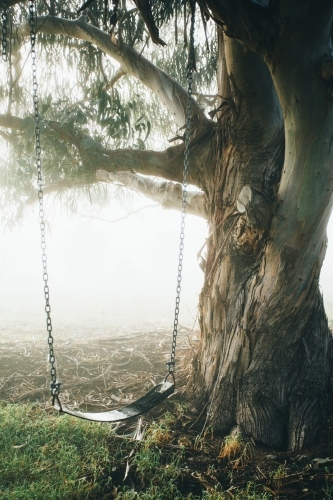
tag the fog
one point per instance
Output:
(107, 277)
(101, 275)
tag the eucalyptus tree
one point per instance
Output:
(260, 166)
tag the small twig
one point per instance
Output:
(141, 355)
(7, 380)
(121, 218)
(261, 472)
(198, 418)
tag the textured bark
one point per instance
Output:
(265, 362)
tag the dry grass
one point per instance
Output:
(236, 450)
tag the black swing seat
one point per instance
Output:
(153, 398)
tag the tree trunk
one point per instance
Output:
(265, 361)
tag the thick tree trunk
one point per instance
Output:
(265, 362)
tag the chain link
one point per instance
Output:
(4, 19)
(191, 64)
(55, 385)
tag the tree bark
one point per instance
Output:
(265, 362)
(168, 194)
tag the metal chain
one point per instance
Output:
(4, 31)
(191, 64)
(55, 385)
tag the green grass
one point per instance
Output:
(51, 457)
(47, 456)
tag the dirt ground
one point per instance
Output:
(104, 371)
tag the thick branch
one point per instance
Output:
(167, 164)
(305, 192)
(256, 103)
(117, 76)
(168, 194)
(170, 92)
(246, 20)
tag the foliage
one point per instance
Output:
(74, 90)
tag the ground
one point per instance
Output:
(104, 371)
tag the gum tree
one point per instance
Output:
(261, 163)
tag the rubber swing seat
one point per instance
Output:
(153, 398)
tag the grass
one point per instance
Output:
(236, 451)
(47, 456)
(52, 457)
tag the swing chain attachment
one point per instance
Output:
(191, 67)
(55, 384)
(4, 30)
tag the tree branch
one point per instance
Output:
(246, 20)
(114, 79)
(167, 164)
(256, 102)
(62, 131)
(168, 194)
(169, 91)
(56, 187)
(113, 221)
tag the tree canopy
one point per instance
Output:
(95, 99)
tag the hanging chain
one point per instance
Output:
(191, 65)
(55, 385)
(4, 30)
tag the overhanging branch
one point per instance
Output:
(168, 194)
(169, 91)
(167, 164)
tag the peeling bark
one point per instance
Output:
(168, 194)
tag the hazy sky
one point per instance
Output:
(103, 275)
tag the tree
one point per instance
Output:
(261, 163)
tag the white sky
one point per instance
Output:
(108, 276)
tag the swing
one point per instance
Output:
(161, 391)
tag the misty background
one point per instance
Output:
(108, 276)
(102, 275)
